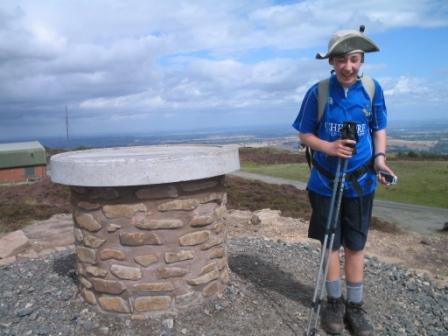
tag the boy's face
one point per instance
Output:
(347, 68)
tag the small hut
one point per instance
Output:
(22, 162)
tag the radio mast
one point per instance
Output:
(66, 123)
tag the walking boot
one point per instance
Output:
(333, 315)
(357, 321)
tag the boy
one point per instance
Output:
(348, 100)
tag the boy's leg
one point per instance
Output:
(334, 266)
(354, 274)
(354, 265)
(355, 225)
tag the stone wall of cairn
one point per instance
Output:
(151, 249)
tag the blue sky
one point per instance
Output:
(125, 67)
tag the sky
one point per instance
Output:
(144, 67)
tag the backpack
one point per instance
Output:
(322, 98)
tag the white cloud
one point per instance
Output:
(407, 86)
(409, 97)
(125, 59)
(46, 38)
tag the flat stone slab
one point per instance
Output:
(13, 243)
(143, 165)
(50, 233)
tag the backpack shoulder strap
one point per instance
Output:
(322, 97)
(369, 86)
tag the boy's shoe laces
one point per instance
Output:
(356, 307)
(356, 319)
(336, 305)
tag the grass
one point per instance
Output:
(21, 204)
(16, 216)
(254, 195)
(419, 182)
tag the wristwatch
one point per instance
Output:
(379, 154)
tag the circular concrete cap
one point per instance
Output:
(142, 165)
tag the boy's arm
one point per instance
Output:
(340, 148)
(380, 142)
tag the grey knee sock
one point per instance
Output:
(354, 292)
(333, 288)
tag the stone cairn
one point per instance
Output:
(145, 250)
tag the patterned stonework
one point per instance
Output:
(151, 249)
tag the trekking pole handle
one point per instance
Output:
(349, 131)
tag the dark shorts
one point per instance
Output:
(353, 224)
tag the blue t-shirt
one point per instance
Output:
(352, 104)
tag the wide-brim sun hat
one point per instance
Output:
(347, 41)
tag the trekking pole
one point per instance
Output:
(348, 131)
(330, 228)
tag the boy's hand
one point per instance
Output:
(380, 166)
(342, 148)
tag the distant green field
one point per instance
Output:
(419, 182)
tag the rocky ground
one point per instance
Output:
(272, 269)
(269, 294)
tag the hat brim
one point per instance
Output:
(349, 43)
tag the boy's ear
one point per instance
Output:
(331, 60)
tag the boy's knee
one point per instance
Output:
(355, 245)
(358, 250)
